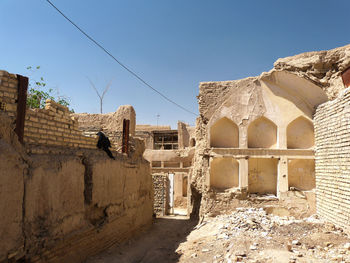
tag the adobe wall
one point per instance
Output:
(61, 198)
(110, 123)
(161, 190)
(12, 170)
(186, 135)
(332, 120)
(71, 205)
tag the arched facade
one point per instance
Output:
(224, 134)
(262, 133)
(224, 173)
(300, 134)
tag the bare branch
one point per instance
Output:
(98, 93)
(106, 88)
(93, 86)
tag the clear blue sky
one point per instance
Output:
(173, 45)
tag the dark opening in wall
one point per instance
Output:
(192, 142)
(167, 140)
(346, 77)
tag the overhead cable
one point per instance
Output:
(116, 60)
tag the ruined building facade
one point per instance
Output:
(257, 136)
(169, 152)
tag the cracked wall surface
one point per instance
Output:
(64, 200)
(50, 209)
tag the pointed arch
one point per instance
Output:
(300, 134)
(224, 134)
(262, 133)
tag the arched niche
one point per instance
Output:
(262, 133)
(300, 134)
(301, 174)
(224, 134)
(224, 173)
(262, 175)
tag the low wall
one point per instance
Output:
(110, 123)
(55, 127)
(71, 203)
(332, 136)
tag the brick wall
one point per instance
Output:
(8, 93)
(161, 188)
(332, 137)
(53, 126)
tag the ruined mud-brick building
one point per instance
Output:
(169, 152)
(257, 136)
(62, 199)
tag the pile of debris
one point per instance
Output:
(253, 235)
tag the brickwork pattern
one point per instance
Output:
(332, 136)
(8, 93)
(160, 186)
(53, 126)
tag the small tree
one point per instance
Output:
(98, 93)
(38, 93)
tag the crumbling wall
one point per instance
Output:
(287, 97)
(323, 68)
(110, 123)
(332, 122)
(69, 206)
(161, 191)
(61, 198)
(12, 170)
(8, 94)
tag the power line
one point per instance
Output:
(116, 60)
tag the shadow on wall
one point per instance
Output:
(224, 134)
(158, 244)
(196, 199)
(300, 134)
(262, 133)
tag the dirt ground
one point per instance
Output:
(247, 234)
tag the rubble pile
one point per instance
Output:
(253, 235)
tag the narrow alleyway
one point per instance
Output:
(157, 244)
(248, 234)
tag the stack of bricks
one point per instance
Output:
(332, 135)
(53, 126)
(8, 93)
(160, 186)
